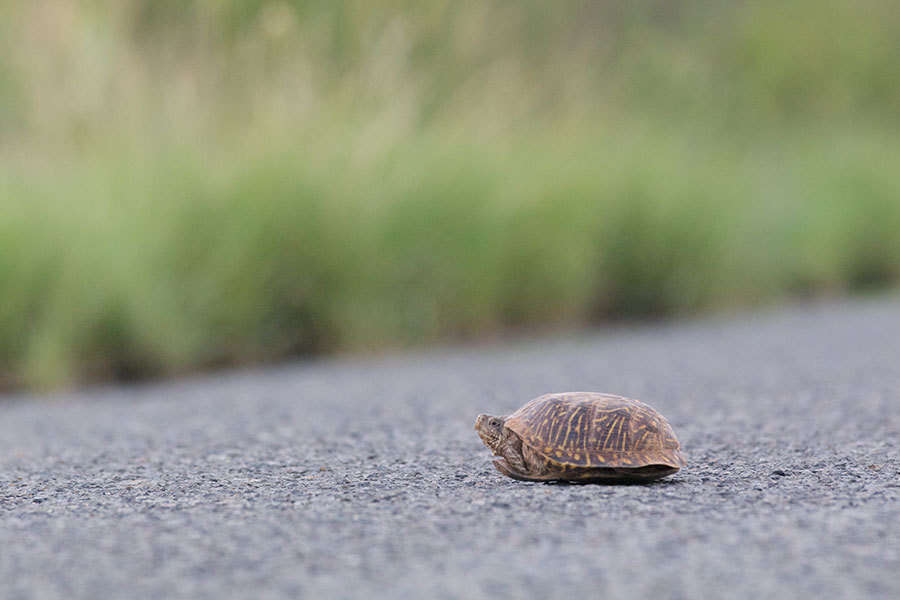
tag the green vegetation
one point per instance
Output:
(194, 183)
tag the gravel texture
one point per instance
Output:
(364, 478)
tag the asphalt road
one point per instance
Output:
(364, 478)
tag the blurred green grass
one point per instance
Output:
(190, 184)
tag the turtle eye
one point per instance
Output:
(495, 422)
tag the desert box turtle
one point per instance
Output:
(582, 436)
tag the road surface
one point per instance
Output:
(363, 478)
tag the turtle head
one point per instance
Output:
(489, 429)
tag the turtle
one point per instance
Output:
(584, 437)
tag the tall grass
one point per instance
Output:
(187, 184)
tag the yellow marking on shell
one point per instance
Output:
(613, 430)
(642, 430)
(547, 428)
(576, 456)
(608, 433)
(626, 460)
(578, 425)
(587, 434)
(640, 442)
(558, 453)
(565, 440)
(618, 432)
(548, 449)
(555, 423)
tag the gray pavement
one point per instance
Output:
(363, 478)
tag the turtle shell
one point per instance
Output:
(587, 429)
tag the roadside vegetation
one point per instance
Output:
(189, 184)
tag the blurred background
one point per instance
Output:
(188, 184)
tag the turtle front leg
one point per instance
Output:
(510, 448)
